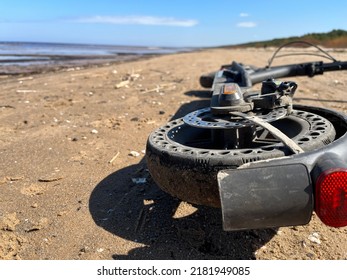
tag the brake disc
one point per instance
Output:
(203, 118)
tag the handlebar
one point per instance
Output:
(246, 77)
(303, 69)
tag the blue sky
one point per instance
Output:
(166, 23)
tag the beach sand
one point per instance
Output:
(72, 159)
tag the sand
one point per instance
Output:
(72, 165)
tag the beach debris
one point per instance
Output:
(337, 82)
(61, 213)
(84, 249)
(122, 84)
(148, 202)
(160, 87)
(7, 106)
(310, 255)
(100, 250)
(126, 79)
(139, 181)
(134, 154)
(114, 158)
(135, 119)
(156, 89)
(15, 178)
(25, 91)
(35, 205)
(25, 78)
(34, 226)
(11, 179)
(53, 177)
(49, 179)
(131, 76)
(73, 69)
(94, 131)
(314, 237)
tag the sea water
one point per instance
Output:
(22, 54)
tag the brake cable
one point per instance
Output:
(325, 53)
(292, 145)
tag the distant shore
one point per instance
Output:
(29, 58)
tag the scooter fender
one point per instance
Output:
(266, 196)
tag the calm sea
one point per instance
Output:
(22, 56)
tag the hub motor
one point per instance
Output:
(185, 155)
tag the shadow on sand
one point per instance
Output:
(136, 209)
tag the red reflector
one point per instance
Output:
(331, 197)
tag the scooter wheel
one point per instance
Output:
(184, 162)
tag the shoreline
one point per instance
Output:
(38, 64)
(29, 57)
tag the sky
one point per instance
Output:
(175, 23)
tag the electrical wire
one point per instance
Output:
(325, 54)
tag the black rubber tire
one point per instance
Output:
(190, 173)
(206, 80)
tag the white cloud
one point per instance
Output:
(244, 15)
(139, 20)
(247, 24)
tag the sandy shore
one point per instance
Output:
(68, 168)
